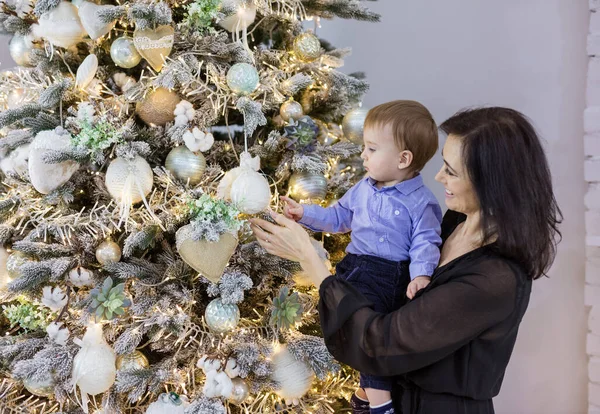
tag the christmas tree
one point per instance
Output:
(136, 140)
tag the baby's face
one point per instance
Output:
(380, 154)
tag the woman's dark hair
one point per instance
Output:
(506, 163)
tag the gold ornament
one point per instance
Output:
(186, 165)
(205, 257)
(307, 47)
(154, 44)
(158, 107)
(240, 391)
(134, 360)
(307, 186)
(40, 388)
(108, 252)
(291, 109)
(353, 125)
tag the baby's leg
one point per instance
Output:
(380, 401)
(360, 403)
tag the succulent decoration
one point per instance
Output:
(287, 309)
(301, 134)
(109, 301)
(29, 316)
(212, 217)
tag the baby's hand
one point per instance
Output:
(292, 209)
(417, 284)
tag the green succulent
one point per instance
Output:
(200, 14)
(301, 135)
(29, 316)
(287, 309)
(96, 137)
(109, 301)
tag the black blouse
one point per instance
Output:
(454, 339)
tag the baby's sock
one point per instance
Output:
(386, 408)
(359, 406)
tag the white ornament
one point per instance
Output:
(197, 140)
(124, 53)
(250, 192)
(217, 384)
(246, 162)
(184, 113)
(88, 14)
(80, 277)
(23, 7)
(56, 334)
(94, 368)
(16, 97)
(61, 25)
(55, 299)
(169, 403)
(129, 182)
(20, 48)
(243, 17)
(232, 369)
(16, 162)
(123, 81)
(45, 178)
(207, 364)
(86, 71)
(4, 276)
(294, 377)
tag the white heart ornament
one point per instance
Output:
(88, 14)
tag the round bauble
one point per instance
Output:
(14, 264)
(169, 403)
(186, 165)
(60, 26)
(242, 78)
(353, 125)
(307, 186)
(40, 388)
(250, 192)
(294, 377)
(157, 107)
(108, 252)
(124, 53)
(291, 110)
(221, 317)
(134, 360)
(124, 179)
(20, 48)
(45, 178)
(17, 161)
(307, 47)
(240, 391)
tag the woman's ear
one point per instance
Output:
(405, 159)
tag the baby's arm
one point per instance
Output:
(425, 248)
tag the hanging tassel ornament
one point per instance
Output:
(240, 20)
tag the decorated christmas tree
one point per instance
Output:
(136, 140)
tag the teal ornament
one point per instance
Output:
(124, 53)
(221, 317)
(242, 78)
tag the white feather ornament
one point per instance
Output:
(86, 71)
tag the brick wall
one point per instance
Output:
(592, 204)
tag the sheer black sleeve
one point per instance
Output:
(432, 326)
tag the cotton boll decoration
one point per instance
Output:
(94, 369)
(45, 178)
(294, 377)
(184, 112)
(196, 140)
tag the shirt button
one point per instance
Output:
(396, 212)
(381, 239)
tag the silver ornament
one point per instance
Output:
(108, 252)
(124, 53)
(240, 391)
(20, 49)
(185, 165)
(221, 317)
(14, 263)
(307, 47)
(293, 376)
(353, 125)
(307, 186)
(291, 110)
(134, 360)
(242, 78)
(40, 388)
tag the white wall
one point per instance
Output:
(524, 54)
(528, 55)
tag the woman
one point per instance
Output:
(451, 344)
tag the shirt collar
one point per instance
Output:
(405, 187)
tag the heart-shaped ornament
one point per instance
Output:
(154, 44)
(88, 14)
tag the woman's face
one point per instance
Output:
(460, 194)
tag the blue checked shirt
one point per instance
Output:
(398, 223)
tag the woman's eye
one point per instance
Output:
(372, 149)
(447, 171)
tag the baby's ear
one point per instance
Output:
(405, 159)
